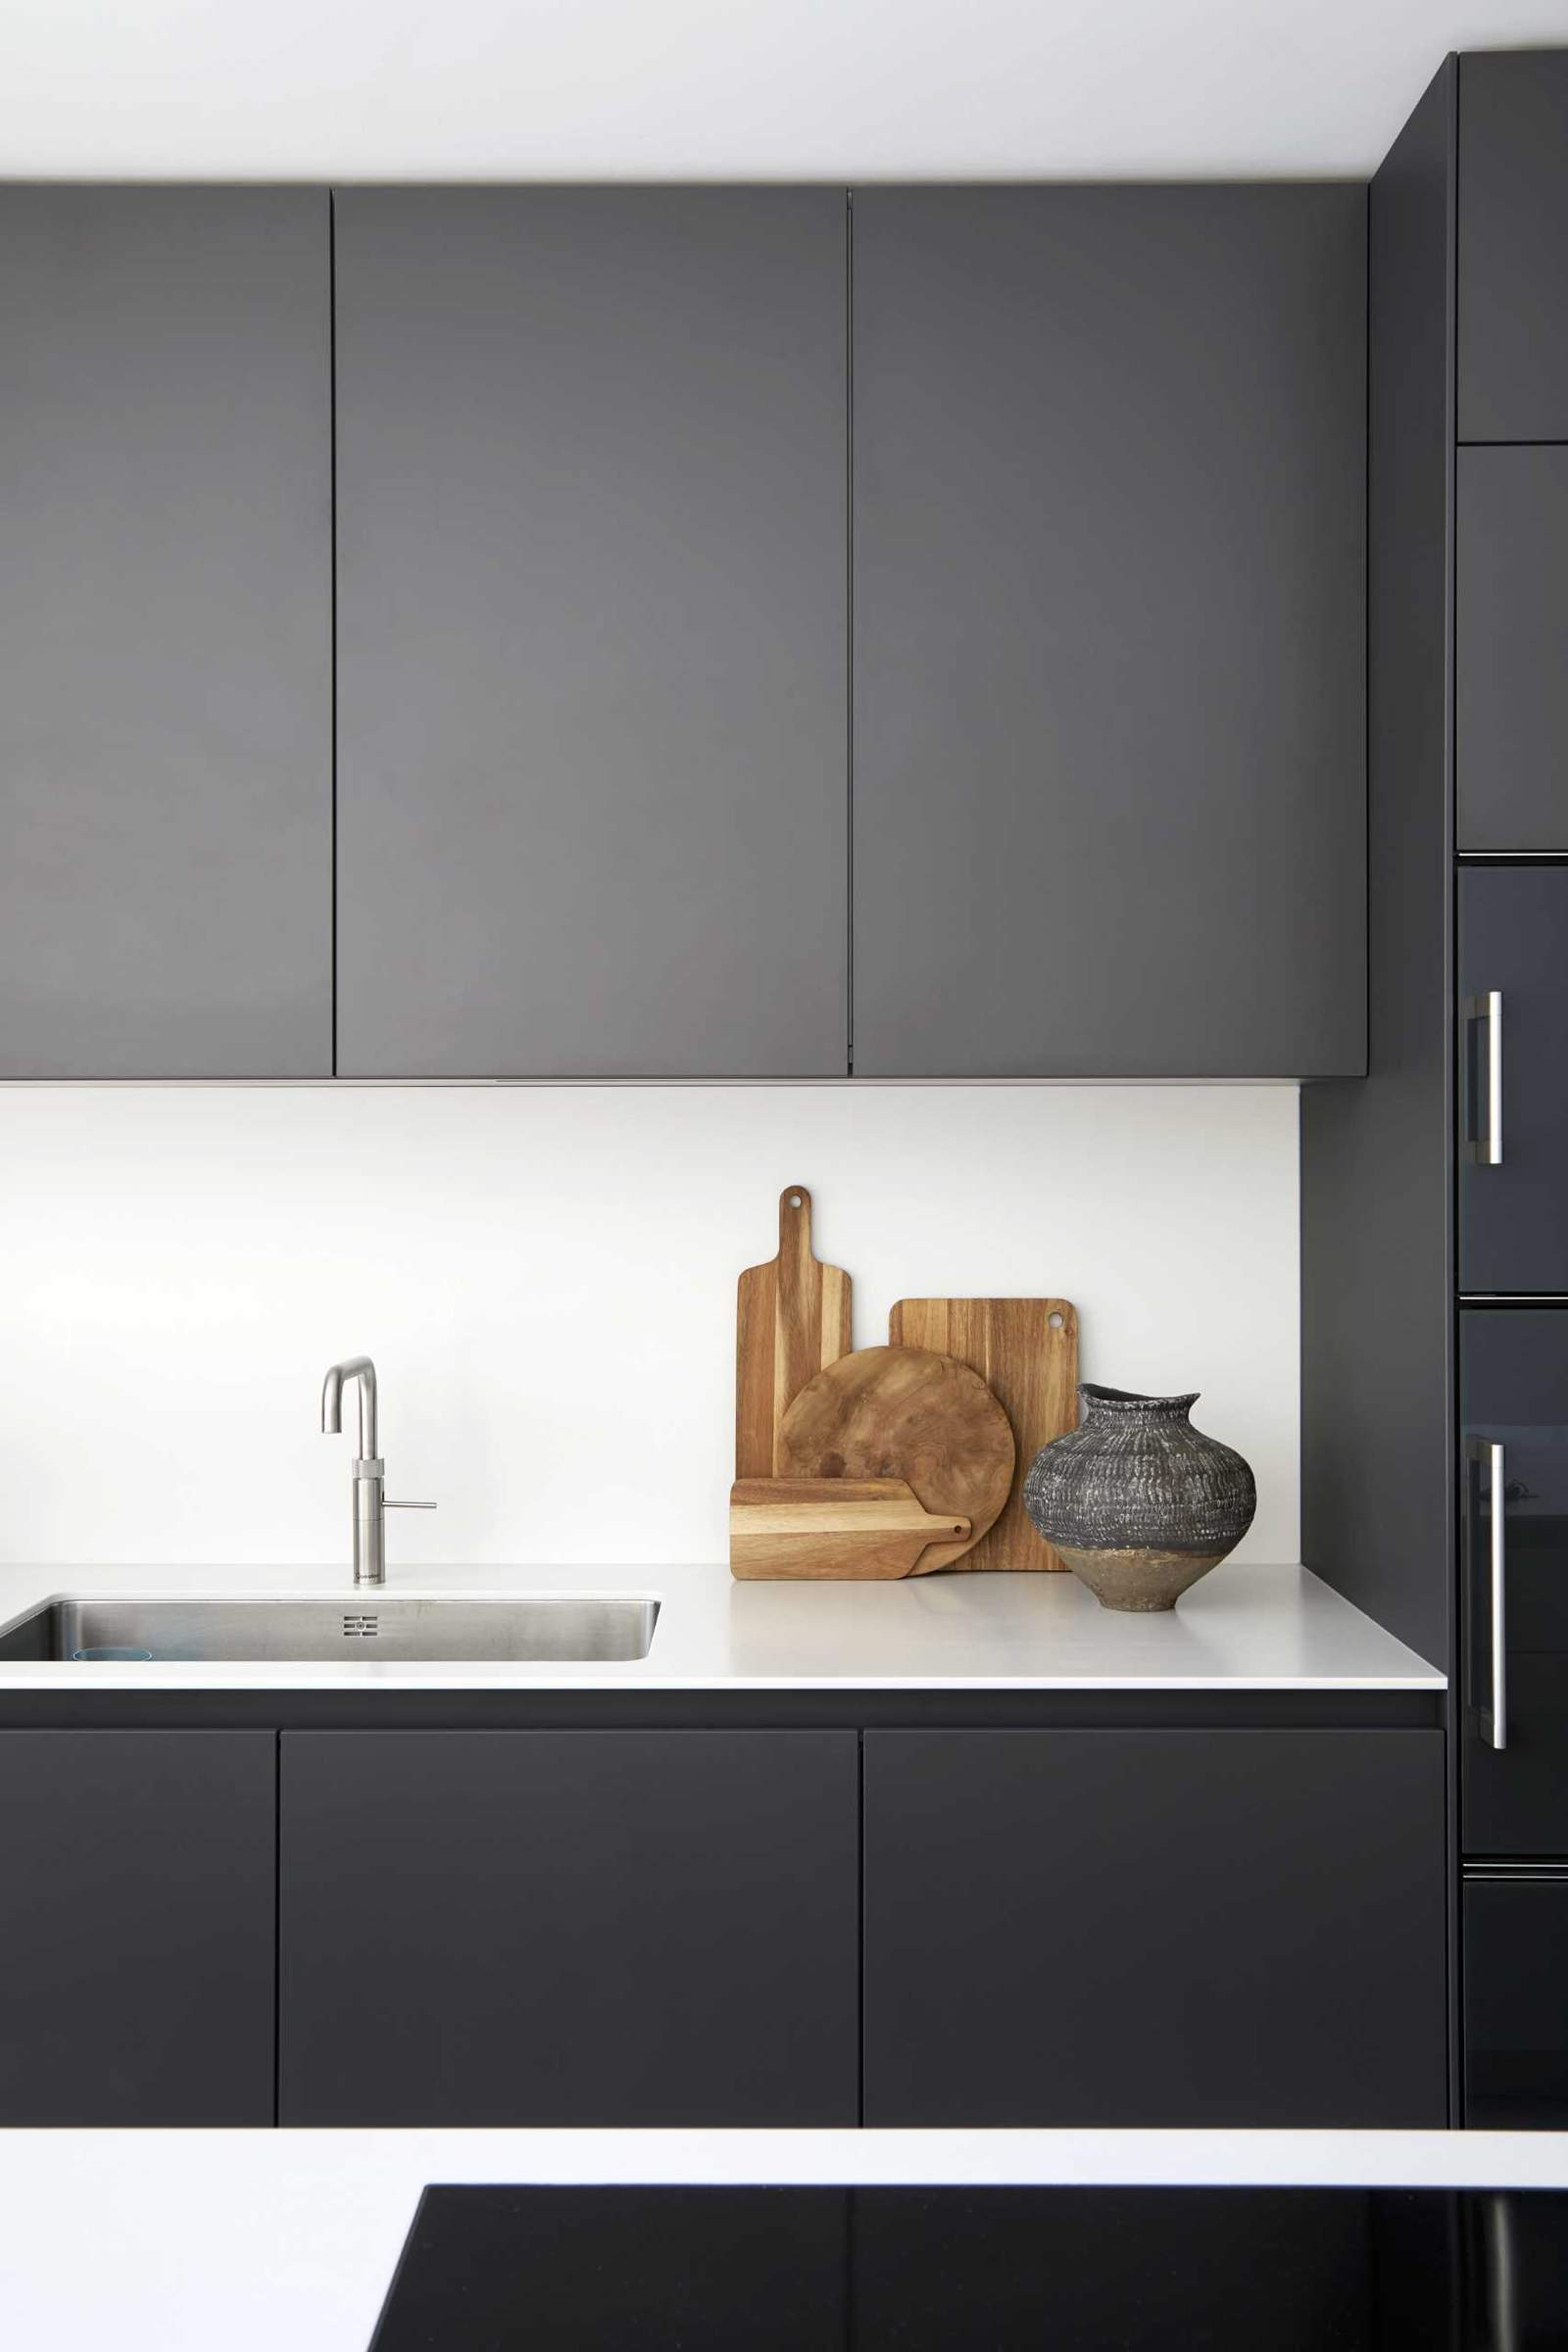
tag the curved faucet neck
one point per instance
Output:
(357, 1368)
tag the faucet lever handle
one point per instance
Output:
(389, 1505)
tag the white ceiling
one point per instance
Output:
(834, 89)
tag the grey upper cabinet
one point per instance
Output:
(592, 660)
(1513, 246)
(1510, 677)
(166, 786)
(1109, 609)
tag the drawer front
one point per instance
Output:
(1513, 1031)
(1510, 678)
(1516, 2004)
(1514, 1579)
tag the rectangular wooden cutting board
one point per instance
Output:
(830, 1527)
(1026, 1352)
(792, 1317)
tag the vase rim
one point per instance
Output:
(1129, 1400)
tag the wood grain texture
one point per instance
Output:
(792, 1317)
(907, 1412)
(1030, 1364)
(831, 1526)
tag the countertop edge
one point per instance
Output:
(717, 1636)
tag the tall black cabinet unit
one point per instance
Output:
(1434, 1197)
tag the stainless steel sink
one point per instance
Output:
(361, 1625)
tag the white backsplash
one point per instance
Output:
(546, 1279)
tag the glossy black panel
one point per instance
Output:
(978, 2269)
(1021, 2268)
(1513, 938)
(629, 2270)
(1516, 2006)
(1514, 1392)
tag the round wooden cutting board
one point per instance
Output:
(905, 1412)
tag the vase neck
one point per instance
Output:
(1125, 1404)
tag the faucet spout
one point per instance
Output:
(371, 1506)
(357, 1368)
(370, 1470)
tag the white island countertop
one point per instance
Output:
(177, 2241)
(1245, 1627)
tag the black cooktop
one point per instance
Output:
(980, 2270)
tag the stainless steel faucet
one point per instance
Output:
(370, 1503)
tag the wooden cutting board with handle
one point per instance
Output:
(830, 1527)
(792, 1317)
(1026, 1352)
(904, 1413)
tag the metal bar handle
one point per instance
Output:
(1502, 2280)
(1494, 1722)
(1486, 1149)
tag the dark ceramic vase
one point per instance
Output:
(1138, 1502)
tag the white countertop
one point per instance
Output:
(1245, 1627)
(176, 2241)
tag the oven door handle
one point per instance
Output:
(1489, 1455)
(1484, 1147)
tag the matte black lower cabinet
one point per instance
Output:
(560, 1927)
(137, 1928)
(1154, 1928)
